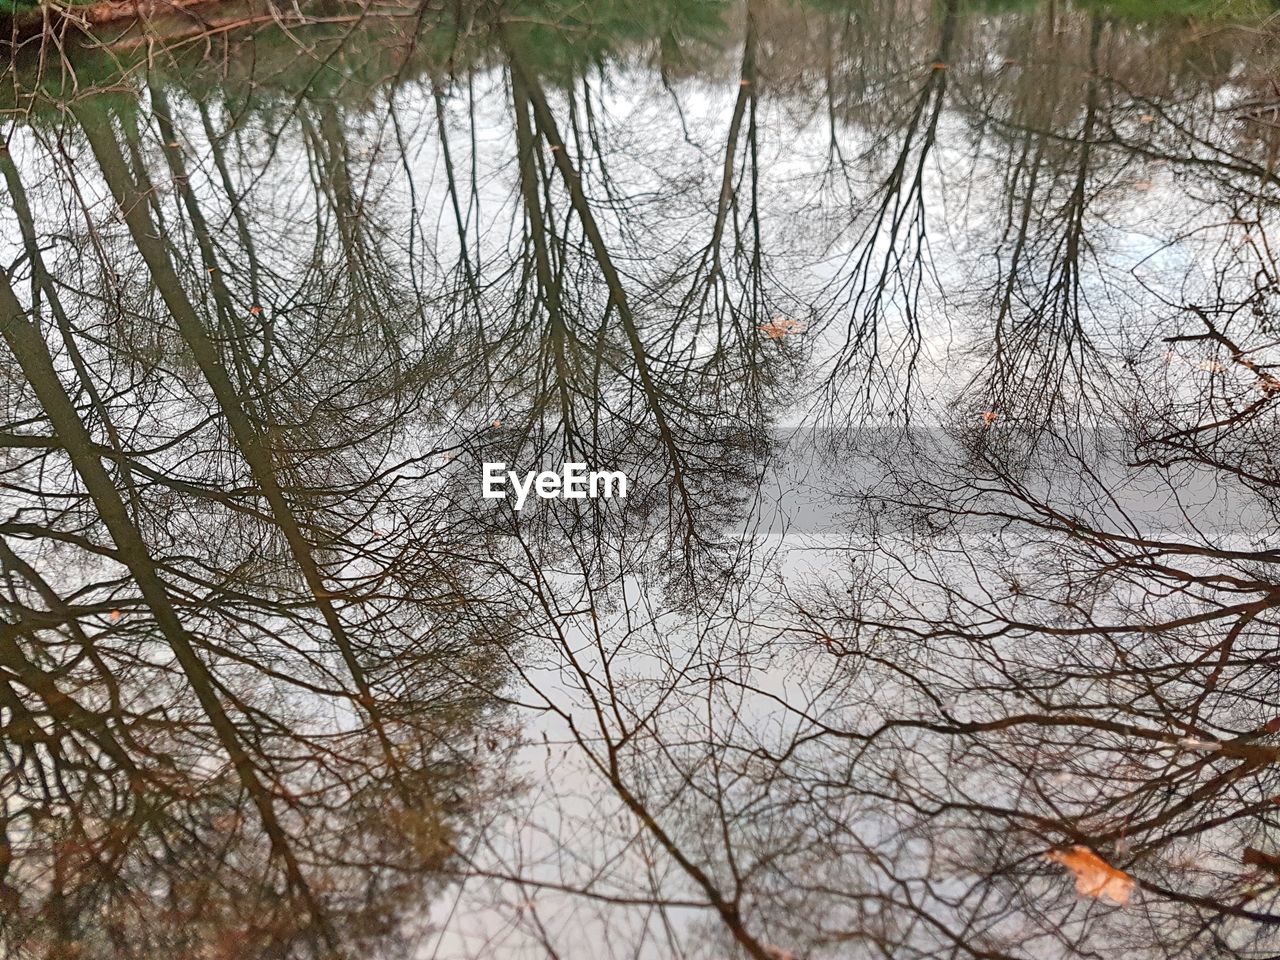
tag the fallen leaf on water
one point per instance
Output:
(115, 615)
(227, 822)
(989, 417)
(1094, 876)
(780, 327)
(938, 65)
(255, 310)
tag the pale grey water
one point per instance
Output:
(937, 342)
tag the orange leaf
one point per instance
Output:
(1094, 876)
(780, 327)
(115, 615)
(255, 310)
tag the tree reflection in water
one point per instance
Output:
(937, 341)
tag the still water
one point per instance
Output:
(937, 340)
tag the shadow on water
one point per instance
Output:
(937, 340)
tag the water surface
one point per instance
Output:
(938, 341)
